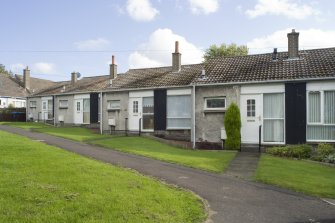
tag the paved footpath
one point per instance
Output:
(230, 199)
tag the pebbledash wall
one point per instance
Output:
(208, 122)
(115, 106)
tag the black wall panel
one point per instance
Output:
(295, 113)
(94, 107)
(160, 109)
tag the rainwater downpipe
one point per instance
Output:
(101, 112)
(193, 127)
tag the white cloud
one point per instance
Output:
(157, 51)
(141, 10)
(92, 44)
(17, 68)
(44, 68)
(201, 6)
(308, 39)
(290, 8)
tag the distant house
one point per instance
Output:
(15, 89)
(284, 98)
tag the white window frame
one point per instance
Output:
(174, 117)
(32, 104)
(63, 101)
(109, 107)
(322, 121)
(218, 108)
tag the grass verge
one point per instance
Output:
(298, 175)
(27, 125)
(214, 161)
(73, 133)
(41, 183)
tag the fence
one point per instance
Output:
(12, 114)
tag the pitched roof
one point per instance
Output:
(9, 87)
(86, 84)
(157, 77)
(36, 84)
(317, 63)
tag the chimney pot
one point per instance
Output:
(176, 48)
(113, 69)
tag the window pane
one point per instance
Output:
(148, 121)
(179, 111)
(320, 132)
(86, 111)
(314, 110)
(273, 109)
(148, 105)
(274, 105)
(273, 131)
(114, 104)
(179, 123)
(135, 106)
(215, 102)
(63, 103)
(329, 107)
(251, 105)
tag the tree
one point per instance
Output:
(232, 124)
(225, 51)
(3, 70)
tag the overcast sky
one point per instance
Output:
(56, 37)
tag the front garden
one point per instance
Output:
(41, 183)
(295, 167)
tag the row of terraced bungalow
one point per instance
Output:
(290, 94)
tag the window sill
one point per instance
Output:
(63, 107)
(182, 128)
(214, 110)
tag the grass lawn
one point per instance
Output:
(302, 176)
(73, 133)
(41, 183)
(215, 161)
(27, 125)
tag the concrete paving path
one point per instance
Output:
(243, 165)
(231, 199)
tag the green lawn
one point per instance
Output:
(302, 176)
(27, 125)
(215, 161)
(41, 183)
(73, 133)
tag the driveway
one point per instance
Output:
(230, 199)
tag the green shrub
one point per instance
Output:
(324, 149)
(301, 151)
(293, 151)
(232, 124)
(330, 158)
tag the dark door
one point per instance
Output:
(295, 113)
(160, 109)
(94, 107)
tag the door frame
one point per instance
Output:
(258, 119)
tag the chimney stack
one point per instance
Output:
(293, 44)
(73, 78)
(176, 59)
(26, 78)
(113, 69)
